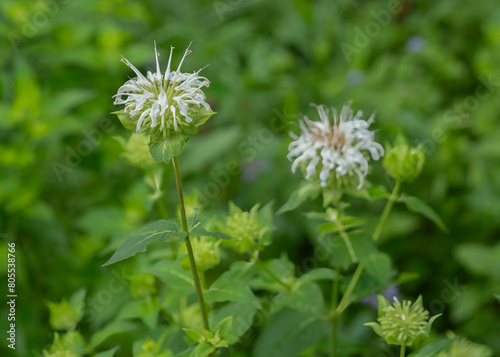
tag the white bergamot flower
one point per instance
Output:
(337, 147)
(163, 104)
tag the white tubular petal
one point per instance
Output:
(153, 114)
(183, 57)
(167, 72)
(158, 73)
(141, 119)
(172, 109)
(162, 99)
(183, 107)
(140, 78)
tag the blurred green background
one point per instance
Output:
(430, 69)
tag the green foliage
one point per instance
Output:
(166, 150)
(157, 231)
(289, 333)
(70, 192)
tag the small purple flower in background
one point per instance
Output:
(354, 77)
(389, 293)
(415, 44)
(253, 169)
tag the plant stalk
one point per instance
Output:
(192, 261)
(344, 302)
(387, 209)
(402, 353)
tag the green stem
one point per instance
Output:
(347, 241)
(333, 315)
(344, 302)
(192, 261)
(387, 209)
(402, 353)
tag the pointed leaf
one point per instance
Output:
(307, 191)
(376, 328)
(165, 150)
(160, 230)
(433, 349)
(193, 334)
(224, 326)
(111, 329)
(108, 353)
(203, 350)
(216, 234)
(416, 205)
(288, 334)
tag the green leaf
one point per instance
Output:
(165, 150)
(111, 329)
(308, 190)
(305, 297)
(77, 302)
(202, 350)
(199, 230)
(242, 313)
(171, 273)
(318, 274)
(274, 269)
(288, 334)
(379, 266)
(227, 289)
(193, 334)
(362, 245)
(224, 326)
(160, 230)
(108, 353)
(433, 349)
(479, 259)
(126, 120)
(416, 205)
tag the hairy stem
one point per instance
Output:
(402, 353)
(192, 261)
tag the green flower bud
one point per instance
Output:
(402, 162)
(206, 253)
(402, 324)
(142, 285)
(62, 315)
(151, 348)
(464, 348)
(245, 228)
(70, 344)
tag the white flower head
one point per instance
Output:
(337, 147)
(161, 103)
